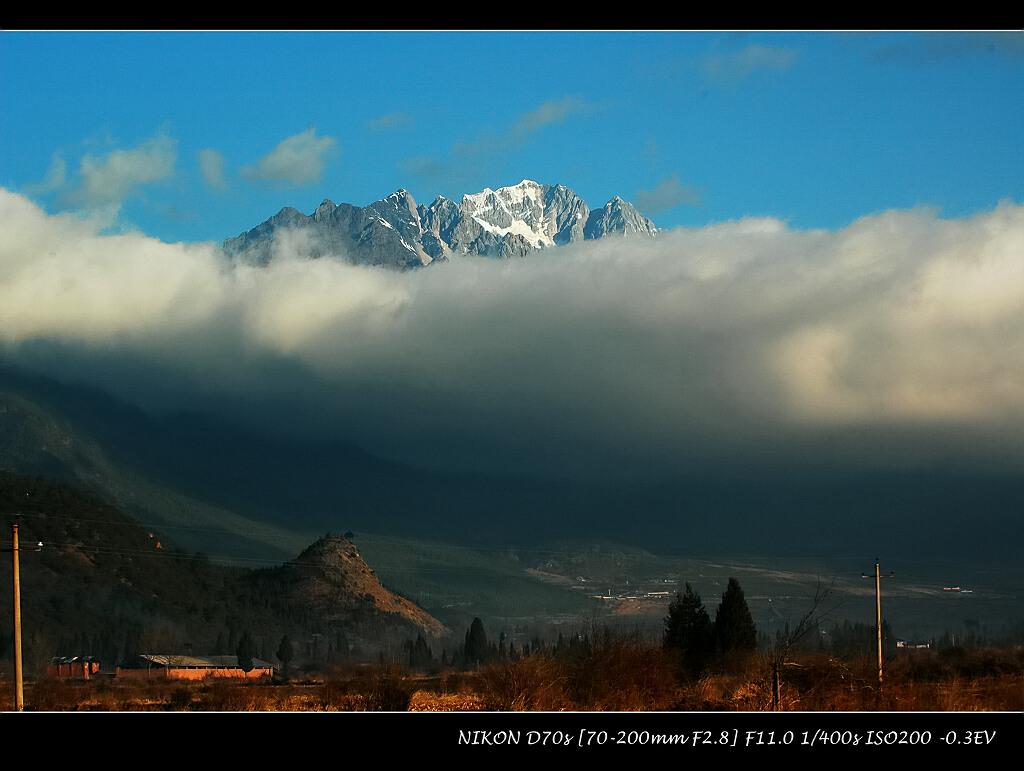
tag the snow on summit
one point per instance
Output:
(505, 222)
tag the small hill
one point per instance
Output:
(331, 580)
(104, 585)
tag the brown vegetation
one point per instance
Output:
(378, 689)
(536, 682)
(616, 674)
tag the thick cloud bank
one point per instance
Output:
(898, 339)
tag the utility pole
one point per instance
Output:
(878, 614)
(19, 679)
(878, 617)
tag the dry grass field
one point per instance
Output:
(621, 676)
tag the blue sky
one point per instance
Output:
(816, 129)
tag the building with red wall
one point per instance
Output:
(78, 667)
(157, 665)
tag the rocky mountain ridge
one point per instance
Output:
(396, 232)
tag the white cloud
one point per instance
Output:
(56, 178)
(391, 122)
(491, 145)
(549, 113)
(297, 160)
(211, 164)
(106, 181)
(735, 338)
(59, 278)
(667, 194)
(738, 65)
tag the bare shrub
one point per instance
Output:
(223, 696)
(928, 665)
(427, 701)
(180, 698)
(535, 682)
(623, 673)
(455, 682)
(383, 688)
(52, 694)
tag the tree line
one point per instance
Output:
(697, 641)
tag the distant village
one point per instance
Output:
(149, 666)
(652, 589)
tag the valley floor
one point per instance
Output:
(992, 680)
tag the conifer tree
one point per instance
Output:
(734, 626)
(688, 632)
(246, 651)
(285, 653)
(477, 650)
(421, 657)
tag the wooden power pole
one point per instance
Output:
(19, 679)
(878, 618)
(878, 615)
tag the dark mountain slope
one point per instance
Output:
(102, 581)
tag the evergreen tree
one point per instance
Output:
(285, 653)
(246, 651)
(734, 626)
(688, 632)
(477, 650)
(420, 655)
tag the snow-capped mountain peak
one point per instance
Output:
(514, 210)
(510, 221)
